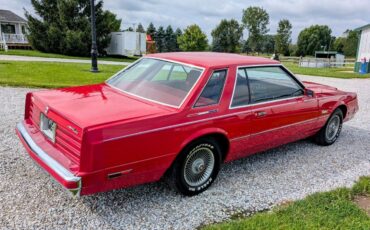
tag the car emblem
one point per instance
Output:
(73, 129)
(46, 110)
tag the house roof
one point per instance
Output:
(8, 16)
(212, 59)
(362, 27)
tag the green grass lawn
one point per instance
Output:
(35, 53)
(52, 75)
(328, 210)
(324, 72)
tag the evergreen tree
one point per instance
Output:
(151, 30)
(140, 28)
(63, 26)
(160, 39)
(178, 33)
(170, 40)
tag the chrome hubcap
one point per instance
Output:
(199, 166)
(333, 128)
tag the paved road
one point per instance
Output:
(42, 59)
(29, 198)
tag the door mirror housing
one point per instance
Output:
(309, 93)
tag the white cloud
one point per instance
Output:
(338, 15)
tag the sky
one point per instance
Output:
(339, 15)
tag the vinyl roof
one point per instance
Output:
(212, 59)
(8, 16)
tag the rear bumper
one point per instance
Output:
(69, 181)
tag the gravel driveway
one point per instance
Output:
(30, 199)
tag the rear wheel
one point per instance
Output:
(196, 167)
(331, 131)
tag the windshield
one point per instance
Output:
(157, 80)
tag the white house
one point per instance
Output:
(13, 29)
(363, 50)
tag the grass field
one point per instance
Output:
(52, 75)
(35, 53)
(328, 210)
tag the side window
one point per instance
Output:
(211, 93)
(269, 83)
(241, 94)
(163, 73)
(179, 73)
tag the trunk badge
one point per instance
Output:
(73, 129)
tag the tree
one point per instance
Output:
(268, 44)
(64, 27)
(130, 29)
(339, 44)
(255, 19)
(159, 39)
(151, 30)
(178, 33)
(283, 37)
(140, 28)
(170, 40)
(193, 39)
(226, 36)
(313, 38)
(350, 45)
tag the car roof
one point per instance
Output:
(213, 59)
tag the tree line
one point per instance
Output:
(64, 27)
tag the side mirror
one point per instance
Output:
(309, 93)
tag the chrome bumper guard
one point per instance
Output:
(50, 162)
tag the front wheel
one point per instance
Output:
(196, 167)
(331, 131)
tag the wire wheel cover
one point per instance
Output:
(199, 166)
(333, 128)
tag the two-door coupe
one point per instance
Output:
(178, 116)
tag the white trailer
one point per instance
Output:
(127, 43)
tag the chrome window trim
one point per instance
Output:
(264, 102)
(222, 92)
(158, 102)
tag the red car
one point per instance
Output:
(178, 116)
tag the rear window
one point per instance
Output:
(160, 81)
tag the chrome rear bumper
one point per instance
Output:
(64, 175)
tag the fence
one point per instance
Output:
(319, 62)
(14, 38)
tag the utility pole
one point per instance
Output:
(94, 48)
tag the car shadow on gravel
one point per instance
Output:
(282, 171)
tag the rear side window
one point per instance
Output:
(211, 93)
(241, 94)
(270, 83)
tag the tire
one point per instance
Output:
(196, 167)
(331, 131)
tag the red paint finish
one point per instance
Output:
(102, 130)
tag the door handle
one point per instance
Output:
(261, 113)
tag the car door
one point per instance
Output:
(280, 111)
